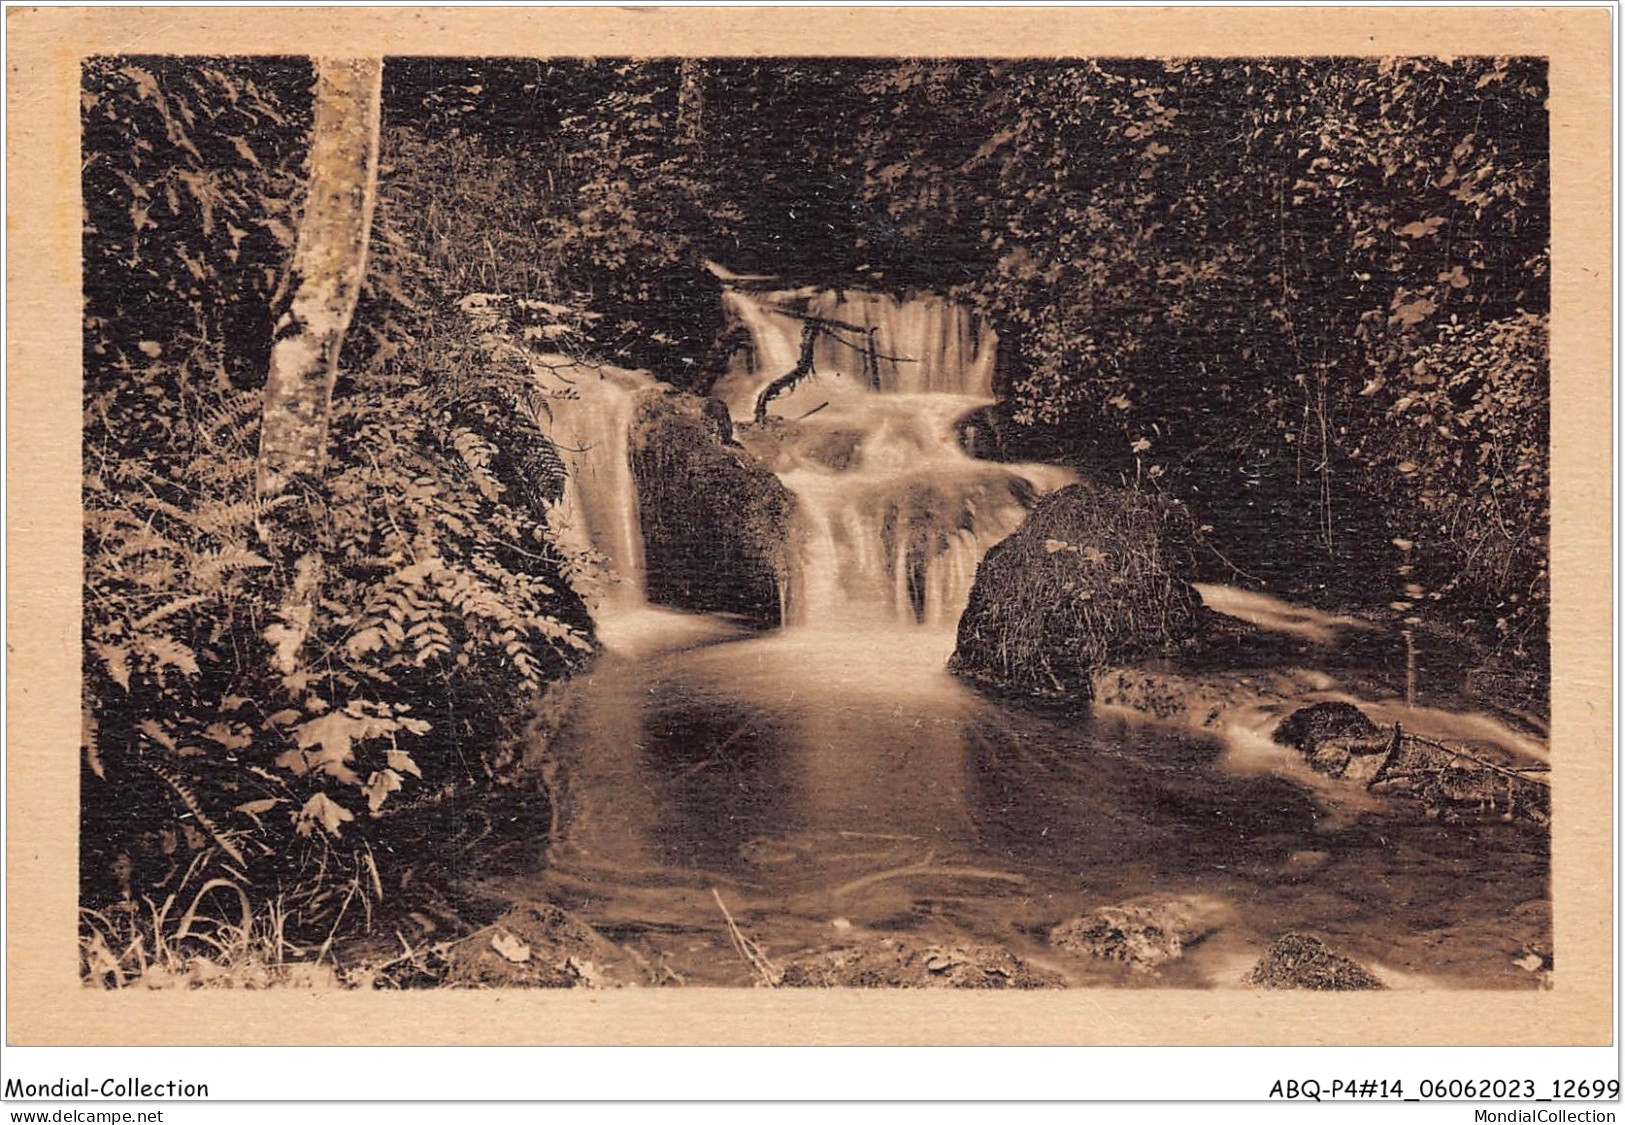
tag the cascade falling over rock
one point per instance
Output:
(919, 344)
(598, 515)
(860, 403)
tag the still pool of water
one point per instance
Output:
(831, 787)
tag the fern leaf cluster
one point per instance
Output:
(269, 687)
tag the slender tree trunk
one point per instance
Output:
(329, 261)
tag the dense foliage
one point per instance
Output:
(267, 686)
(612, 195)
(1243, 280)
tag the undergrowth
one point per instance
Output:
(291, 709)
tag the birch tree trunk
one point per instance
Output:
(329, 262)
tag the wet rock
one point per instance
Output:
(715, 411)
(1306, 728)
(1302, 961)
(1337, 739)
(895, 963)
(1203, 700)
(535, 945)
(1537, 958)
(1142, 934)
(1329, 759)
(714, 519)
(1094, 577)
(1162, 695)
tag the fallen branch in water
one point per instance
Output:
(1521, 773)
(788, 381)
(811, 328)
(1446, 778)
(766, 972)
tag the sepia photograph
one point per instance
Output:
(819, 519)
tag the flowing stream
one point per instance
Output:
(892, 514)
(828, 783)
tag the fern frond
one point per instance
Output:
(167, 610)
(221, 519)
(195, 807)
(479, 455)
(209, 567)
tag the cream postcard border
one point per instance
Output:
(47, 1003)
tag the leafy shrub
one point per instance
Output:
(267, 686)
(1461, 462)
(633, 229)
(191, 180)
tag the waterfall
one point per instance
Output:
(915, 345)
(892, 514)
(596, 520)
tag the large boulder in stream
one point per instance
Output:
(714, 520)
(1094, 577)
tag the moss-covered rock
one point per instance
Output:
(1338, 739)
(1143, 934)
(1306, 728)
(714, 520)
(1094, 577)
(1303, 961)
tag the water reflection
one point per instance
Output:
(818, 781)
